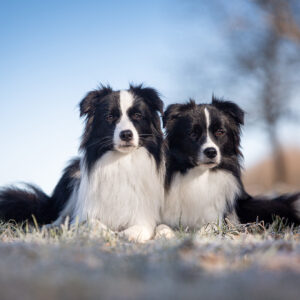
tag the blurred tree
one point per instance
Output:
(264, 46)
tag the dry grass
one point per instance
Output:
(85, 261)
(260, 178)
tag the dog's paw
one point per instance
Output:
(137, 234)
(164, 232)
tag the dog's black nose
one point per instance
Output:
(210, 152)
(126, 135)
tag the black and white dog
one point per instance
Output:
(119, 178)
(203, 169)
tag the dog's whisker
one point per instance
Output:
(105, 144)
(103, 140)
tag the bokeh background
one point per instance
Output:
(53, 52)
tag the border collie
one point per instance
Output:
(203, 169)
(119, 177)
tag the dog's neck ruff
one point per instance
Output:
(199, 197)
(121, 190)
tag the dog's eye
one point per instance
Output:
(109, 118)
(136, 116)
(220, 132)
(193, 135)
(196, 132)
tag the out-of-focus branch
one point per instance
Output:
(281, 18)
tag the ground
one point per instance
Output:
(87, 262)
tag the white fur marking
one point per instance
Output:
(199, 197)
(209, 142)
(121, 190)
(126, 101)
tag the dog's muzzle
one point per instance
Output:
(210, 157)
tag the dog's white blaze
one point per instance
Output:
(199, 197)
(209, 142)
(126, 101)
(122, 191)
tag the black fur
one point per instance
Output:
(65, 186)
(252, 209)
(19, 205)
(22, 204)
(181, 152)
(150, 96)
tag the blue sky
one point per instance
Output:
(53, 52)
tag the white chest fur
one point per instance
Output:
(199, 197)
(121, 190)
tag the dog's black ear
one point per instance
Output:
(174, 111)
(150, 95)
(171, 113)
(89, 102)
(231, 109)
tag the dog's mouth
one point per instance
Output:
(126, 147)
(208, 163)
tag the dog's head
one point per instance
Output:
(205, 135)
(120, 120)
